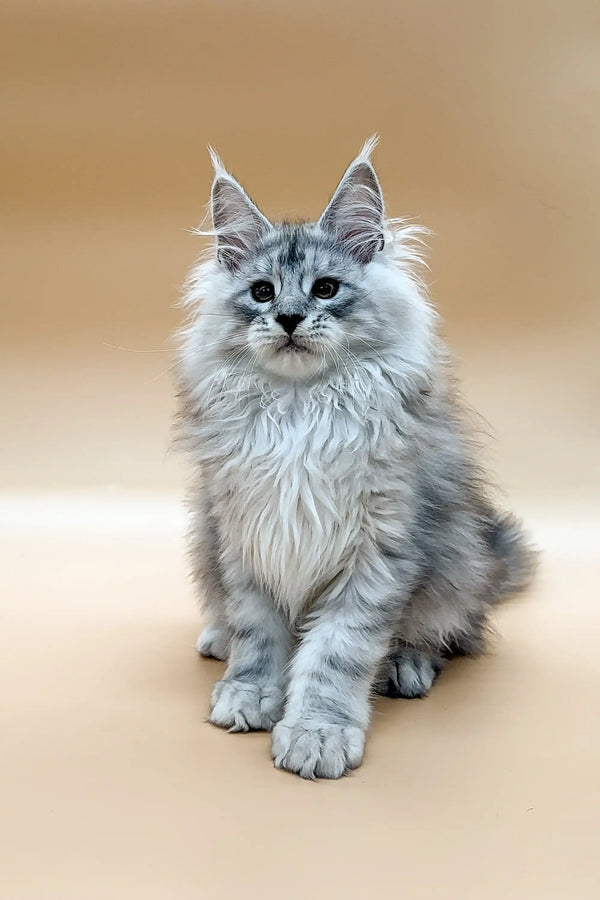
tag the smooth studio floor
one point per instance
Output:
(114, 785)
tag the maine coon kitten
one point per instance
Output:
(342, 539)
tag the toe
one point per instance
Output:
(332, 761)
(317, 750)
(245, 707)
(408, 674)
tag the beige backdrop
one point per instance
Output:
(490, 135)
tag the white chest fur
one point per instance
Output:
(289, 487)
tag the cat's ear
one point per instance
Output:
(355, 214)
(238, 223)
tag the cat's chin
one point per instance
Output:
(293, 361)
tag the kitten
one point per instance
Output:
(342, 539)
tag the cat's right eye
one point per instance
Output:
(262, 291)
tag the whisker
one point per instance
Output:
(164, 372)
(137, 350)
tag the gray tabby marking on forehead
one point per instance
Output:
(292, 240)
(288, 245)
(293, 252)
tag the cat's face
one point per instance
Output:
(299, 299)
(300, 302)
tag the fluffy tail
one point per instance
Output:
(517, 558)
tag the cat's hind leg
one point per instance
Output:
(434, 628)
(215, 638)
(408, 672)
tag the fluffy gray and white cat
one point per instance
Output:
(343, 542)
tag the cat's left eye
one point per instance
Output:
(325, 288)
(262, 291)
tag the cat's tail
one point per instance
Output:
(517, 557)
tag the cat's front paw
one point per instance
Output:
(241, 706)
(315, 749)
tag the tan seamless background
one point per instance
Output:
(488, 114)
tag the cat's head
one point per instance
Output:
(301, 299)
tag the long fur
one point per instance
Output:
(343, 538)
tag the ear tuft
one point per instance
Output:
(355, 214)
(238, 223)
(217, 163)
(367, 148)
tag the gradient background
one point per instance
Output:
(490, 135)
